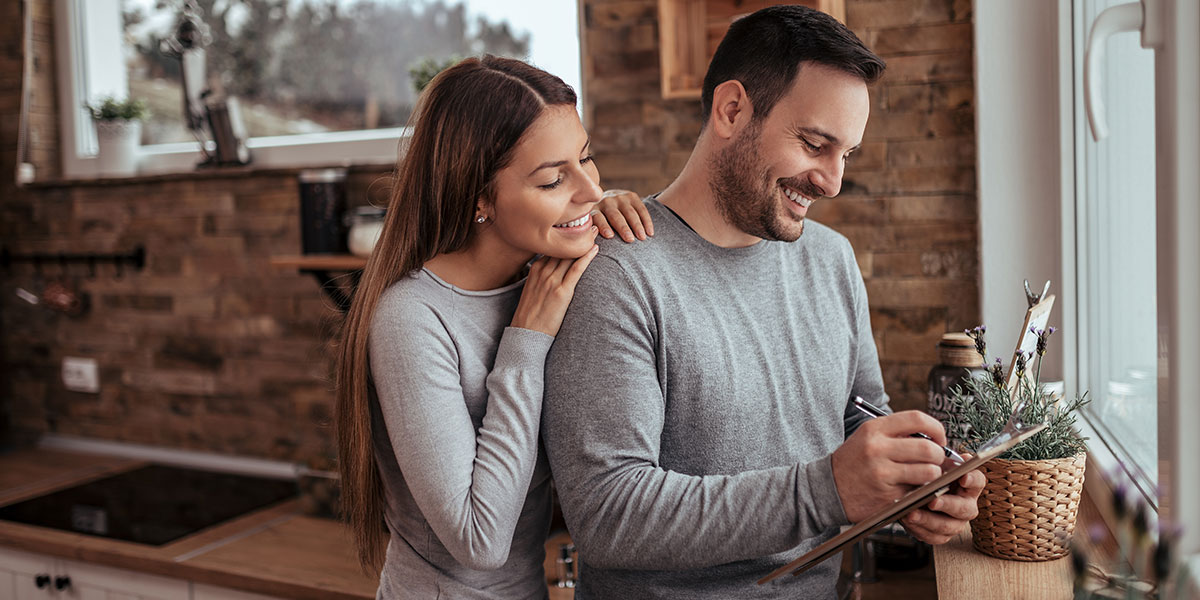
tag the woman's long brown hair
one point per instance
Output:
(465, 126)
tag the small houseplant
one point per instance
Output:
(1028, 508)
(118, 133)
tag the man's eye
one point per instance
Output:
(811, 146)
(550, 186)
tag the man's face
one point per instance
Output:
(767, 177)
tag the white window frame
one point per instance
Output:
(85, 53)
(1026, 133)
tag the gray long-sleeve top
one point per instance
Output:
(456, 405)
(694, 397)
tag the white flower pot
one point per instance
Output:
(120, 144)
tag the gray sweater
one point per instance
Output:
(456, 405)
(694, 396)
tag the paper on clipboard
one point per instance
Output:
(1036, 317)
(909, 502)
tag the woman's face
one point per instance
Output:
(544, 197)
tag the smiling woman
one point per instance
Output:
(441, 360)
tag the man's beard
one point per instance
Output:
(747, 197)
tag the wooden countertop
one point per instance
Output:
(963, 572)
(278, 551)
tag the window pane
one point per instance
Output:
(305, 66)
(1118, 239)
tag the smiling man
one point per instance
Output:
(696, 415)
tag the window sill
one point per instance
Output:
(205, 173)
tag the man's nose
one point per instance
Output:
(829, 176)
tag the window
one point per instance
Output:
(317, 81)
(1130, 258)
(1115, 264)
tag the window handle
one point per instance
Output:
(1113, 20)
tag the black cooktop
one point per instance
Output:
(151, 505)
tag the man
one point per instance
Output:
(696, 415)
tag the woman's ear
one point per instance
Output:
(731, 109)
(483, 210)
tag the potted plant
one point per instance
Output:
(1028, 508)
(118, 133)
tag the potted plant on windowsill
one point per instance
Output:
(1028, 508)
(118, 133)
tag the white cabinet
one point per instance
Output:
(28, 576)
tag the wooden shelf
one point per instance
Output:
(690, 30)
(320, 262)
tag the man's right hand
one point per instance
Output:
(880, 462)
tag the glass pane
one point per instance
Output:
(305, 66)
(1119, 259)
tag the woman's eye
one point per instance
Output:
(550, 186)
(811, 146)
(587, 159)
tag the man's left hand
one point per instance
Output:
(943, 518)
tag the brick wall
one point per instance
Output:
(208, 347)
(908, 203)
(211, 348)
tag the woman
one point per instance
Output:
(440, 367)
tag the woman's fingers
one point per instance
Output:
(575, 271)
(635, 219)
(601, 223)
(617, 221)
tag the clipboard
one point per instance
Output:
(909, 502)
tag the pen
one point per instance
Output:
(873, 411)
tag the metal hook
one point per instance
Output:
(1033, 298)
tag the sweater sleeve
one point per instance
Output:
(602, 424)
(867, 381)
(469, 485)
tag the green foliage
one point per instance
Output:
(111, 108)
(427, 68)
(324, 62)
(986, 404)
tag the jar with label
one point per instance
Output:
(366, 224)
(957, 361)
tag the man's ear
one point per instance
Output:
(731, 109)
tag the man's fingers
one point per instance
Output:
(917, 474)
(908, 422)
(931, 527)
(955, 507)
(915, 450)
(973, 482)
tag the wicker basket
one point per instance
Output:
(1027, 509)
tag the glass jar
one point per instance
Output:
(957, 360)
(366, 224)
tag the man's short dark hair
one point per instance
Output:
(764, 50)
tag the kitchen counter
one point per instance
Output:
(277, 551)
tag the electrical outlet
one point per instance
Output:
(81, 375)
